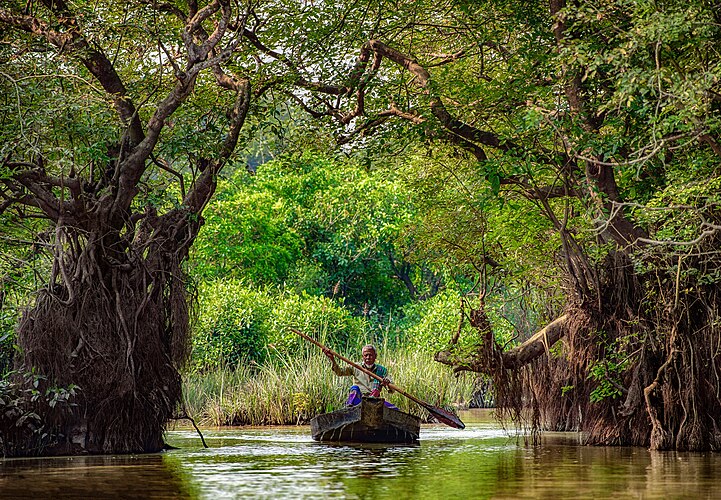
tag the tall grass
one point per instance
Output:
(292, 390)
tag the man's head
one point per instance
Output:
(369, 355)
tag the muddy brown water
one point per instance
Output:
(481, 461)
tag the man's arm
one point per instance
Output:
(346, 371)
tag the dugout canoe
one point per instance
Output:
(369, 422)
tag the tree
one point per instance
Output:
(606, 117)
(117, 121)
(102, 101)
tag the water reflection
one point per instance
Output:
(145, 476)
(482, 461)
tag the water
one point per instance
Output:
(482, 461)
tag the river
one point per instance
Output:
(481, 461)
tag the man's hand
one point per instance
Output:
(376, 393)
(328, 353)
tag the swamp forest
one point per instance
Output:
(517, 202)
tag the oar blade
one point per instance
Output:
(445, 417)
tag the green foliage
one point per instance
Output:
(24, 397)
(238, 324)
(316, 243)
(19, 268)
(459, 220)
(428, 326)
(651, 68)
(312, 225)
(671, 224)
(7, 340)
(325, 319)
(607, 373)
(230, 326)
(246, 234)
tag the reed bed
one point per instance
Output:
(290, 390)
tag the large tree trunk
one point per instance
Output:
(634, 372)
(116, 329)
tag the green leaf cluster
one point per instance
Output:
(310, 224)
(240, 324)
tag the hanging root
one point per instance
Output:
(119, 333)
(638, 366)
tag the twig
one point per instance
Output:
(185, 416)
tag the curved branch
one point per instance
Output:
(131, 169)
(519, 356)
(196, 52)
(423, 80)
(300, 80)
(305, 107)
(365, 128)
(95, 61)
(164, 165)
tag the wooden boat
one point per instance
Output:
(369, 422)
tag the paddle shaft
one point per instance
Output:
(363, 369)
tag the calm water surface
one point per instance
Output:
(482, 461)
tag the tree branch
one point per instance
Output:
(519, 356)
(423, 81)
(300, 80)
(97, 63)
(601, 176)
(134, 165)
(204, 187)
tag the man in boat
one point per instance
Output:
(363, 384)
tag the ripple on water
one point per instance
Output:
(481, 461)
(441, 433)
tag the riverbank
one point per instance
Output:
(292, 390)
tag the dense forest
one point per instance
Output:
(524, 194)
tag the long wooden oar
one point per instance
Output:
(440, 414)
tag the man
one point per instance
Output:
(364, 384)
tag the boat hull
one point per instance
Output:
(369, 422)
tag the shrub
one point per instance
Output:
(24, 397)
(238, 324)
(7, 340)
(230, 325)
